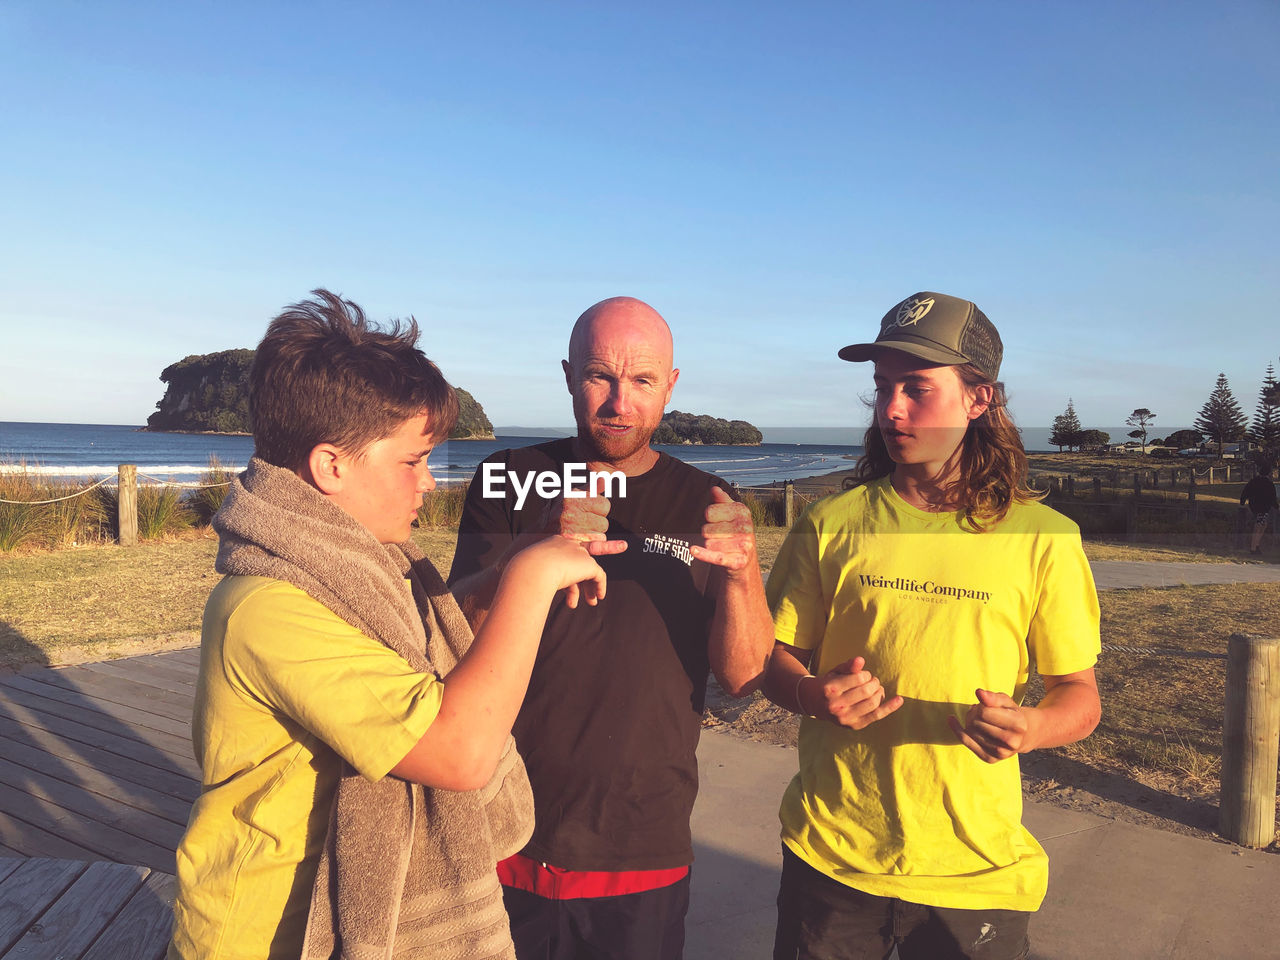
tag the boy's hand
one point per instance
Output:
(995, 728)
(854, 698)
(729, 536)
(566, 565)
(584, 520)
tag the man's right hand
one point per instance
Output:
(583, 520)
(852, 696)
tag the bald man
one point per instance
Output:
(614, 707)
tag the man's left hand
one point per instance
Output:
(995, 728)
(728, 535)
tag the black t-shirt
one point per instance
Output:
(1260, 494)
(610, 724)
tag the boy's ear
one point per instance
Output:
(325, 464)
(982, 397)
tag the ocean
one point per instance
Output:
(86, 450)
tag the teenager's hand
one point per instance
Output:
(584, 520)
(729, 536)
(562, 564)
(995, 728)
(852, 696)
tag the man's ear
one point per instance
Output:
(671, 385)
(568, 374)
(325, 464)
(983, 394)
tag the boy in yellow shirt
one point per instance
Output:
(908, 613)
(359, 781)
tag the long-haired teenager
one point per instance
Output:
(909, 612)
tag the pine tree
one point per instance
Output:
(1066, 428)
(1140, 419)
(1221, 419)
(1265, 430)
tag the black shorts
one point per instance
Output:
(822, 919)
(634, 926)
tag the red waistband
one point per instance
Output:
(557, 883)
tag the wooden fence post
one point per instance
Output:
(1097, 488)
(1071, 485)
(1137, 484)
(127, 504)
(789, 500)
(1250, 740)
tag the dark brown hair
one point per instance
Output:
(993, 464)
(324, 374)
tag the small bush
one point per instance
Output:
(442, 507)
(76, 521)
(26, 522)
(767, 509)
(162, 512)
(214, 484)
(19, 524)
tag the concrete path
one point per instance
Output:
(1119, 574)
(1116, 890)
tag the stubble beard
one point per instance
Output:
(598, 446)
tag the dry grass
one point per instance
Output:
(1107, 550)
(1162, 713)
(69, 605)
(1162, 710)
(55, 604)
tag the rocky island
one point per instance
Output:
(209, 393)
(678, 427)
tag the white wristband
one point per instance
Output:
(800, 706)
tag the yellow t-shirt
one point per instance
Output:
(903, 809)
(287, 690)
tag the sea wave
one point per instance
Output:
(727, 460)
(163, 471)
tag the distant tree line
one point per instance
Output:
(1220, 421)
(677, 427)
(209, 393)
(1068, 433)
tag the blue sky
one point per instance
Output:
(1101, 178)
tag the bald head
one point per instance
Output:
(617, 321)
(620, 374)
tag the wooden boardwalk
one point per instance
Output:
(72, 910)
(96, 762)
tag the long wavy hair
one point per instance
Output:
(993, 463)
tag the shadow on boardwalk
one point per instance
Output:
(95, 760)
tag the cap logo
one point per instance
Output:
(912, 312)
